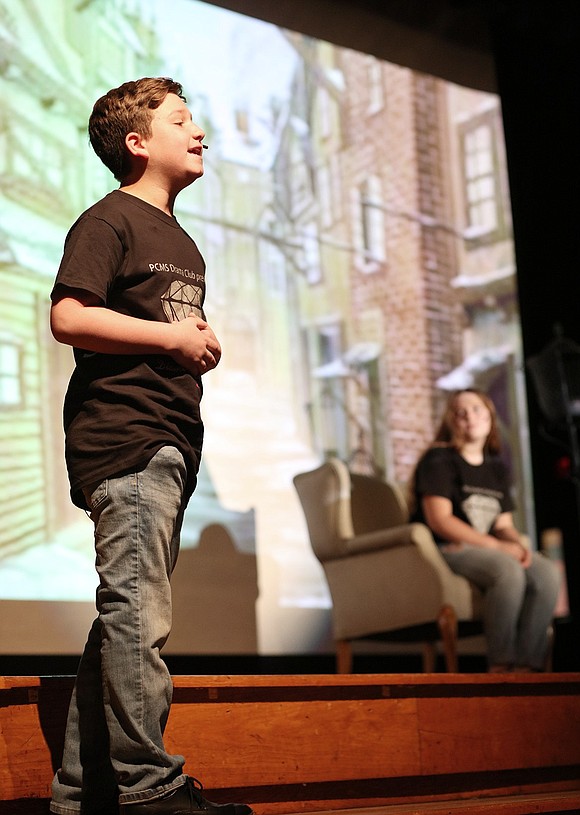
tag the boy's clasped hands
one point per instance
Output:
(197, 347)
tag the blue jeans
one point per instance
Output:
(518, 603)
(122, 696)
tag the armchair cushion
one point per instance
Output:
(375, 504)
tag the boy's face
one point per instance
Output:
(174, 149)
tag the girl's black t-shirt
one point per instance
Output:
(478, 494)
(120, 410)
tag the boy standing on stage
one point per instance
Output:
(129, 297)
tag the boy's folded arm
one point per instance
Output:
(78, 318)
(89, 325)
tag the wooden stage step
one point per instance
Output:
(382, 744)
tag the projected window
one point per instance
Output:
(372, 222)
(10, 374)
(329, 191)
(483, 206)
(375, 84)
(325, 109)
(331, 373)
(325, 195)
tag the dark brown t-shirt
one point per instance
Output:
(120, 410)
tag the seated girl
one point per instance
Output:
(462, 493)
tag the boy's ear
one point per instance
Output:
(136, 145)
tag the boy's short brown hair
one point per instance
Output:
(126, 109)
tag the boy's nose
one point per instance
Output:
(198, 133)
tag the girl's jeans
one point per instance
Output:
(518, 603)
(120, 703)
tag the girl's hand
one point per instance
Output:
(518, 551)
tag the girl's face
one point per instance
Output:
(471, 419)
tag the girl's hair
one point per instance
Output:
(445, 433)
(126, 109)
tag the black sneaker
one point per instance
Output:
(184, 800)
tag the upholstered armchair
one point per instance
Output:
(386, 576)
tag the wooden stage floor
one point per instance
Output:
(385, 744)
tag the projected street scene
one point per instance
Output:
(355, 221)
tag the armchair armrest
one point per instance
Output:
(404, 535)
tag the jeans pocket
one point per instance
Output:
(95, 495)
